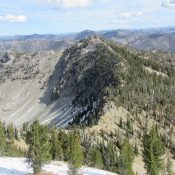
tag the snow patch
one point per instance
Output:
(19, 166)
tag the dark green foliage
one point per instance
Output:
(10, 132)
(12, 151)
(112, 72)
(169, 167)
(97, 159)
(16, 134)
(39, 147)
(109, 156)
(88, 149)
(76, 154)
(143, 89)
(153, 151)
(121, 123)
(24, 129)
(56, 147)
(2, 139)
(136, 151)
(7, 145)
(98, 76)
(65, 142)
(126, 159)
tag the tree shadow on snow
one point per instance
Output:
(6, 171)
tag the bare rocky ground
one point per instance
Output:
(24, 91)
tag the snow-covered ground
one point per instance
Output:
(18, 166)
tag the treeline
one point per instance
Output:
(78, 148)
(97, 71)
(8, 134)
(144, 90)
(134, 80)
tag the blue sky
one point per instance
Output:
(63, 16)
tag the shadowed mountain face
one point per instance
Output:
(148, 39)
(73, 86)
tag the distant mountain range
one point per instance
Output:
(145, 39)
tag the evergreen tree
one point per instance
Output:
(153, 151)
(97, 158)
(2, 139)
(126, 159)
(16, 134)
(65, 143)
(24, 129)
(136, 151)
(109, 156)
(111, 153)
(88, 149)
(39, 148)
(169, 167)
(10, 132)
(76, 154)
(56, 148)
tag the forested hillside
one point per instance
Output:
(109, 78)
(98, 71)
(118, 111)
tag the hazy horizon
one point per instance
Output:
(72, 16)
(75, 32)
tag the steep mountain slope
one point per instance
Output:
(87, 69)
(32, 87)
(92, 68)
(76, 87)
(23, 86)
(118, 92)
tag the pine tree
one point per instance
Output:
(109, 156)
(16, 134)
(88, 149)
(126, 159)
(56, 148)
(136, 150)
(169, 167)
(2, 139)
(154, 149)
(10, 132)
(97, 158)
(76, 154)
(111, 153)
(121, 123)
(39, 148)
(65, 143)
